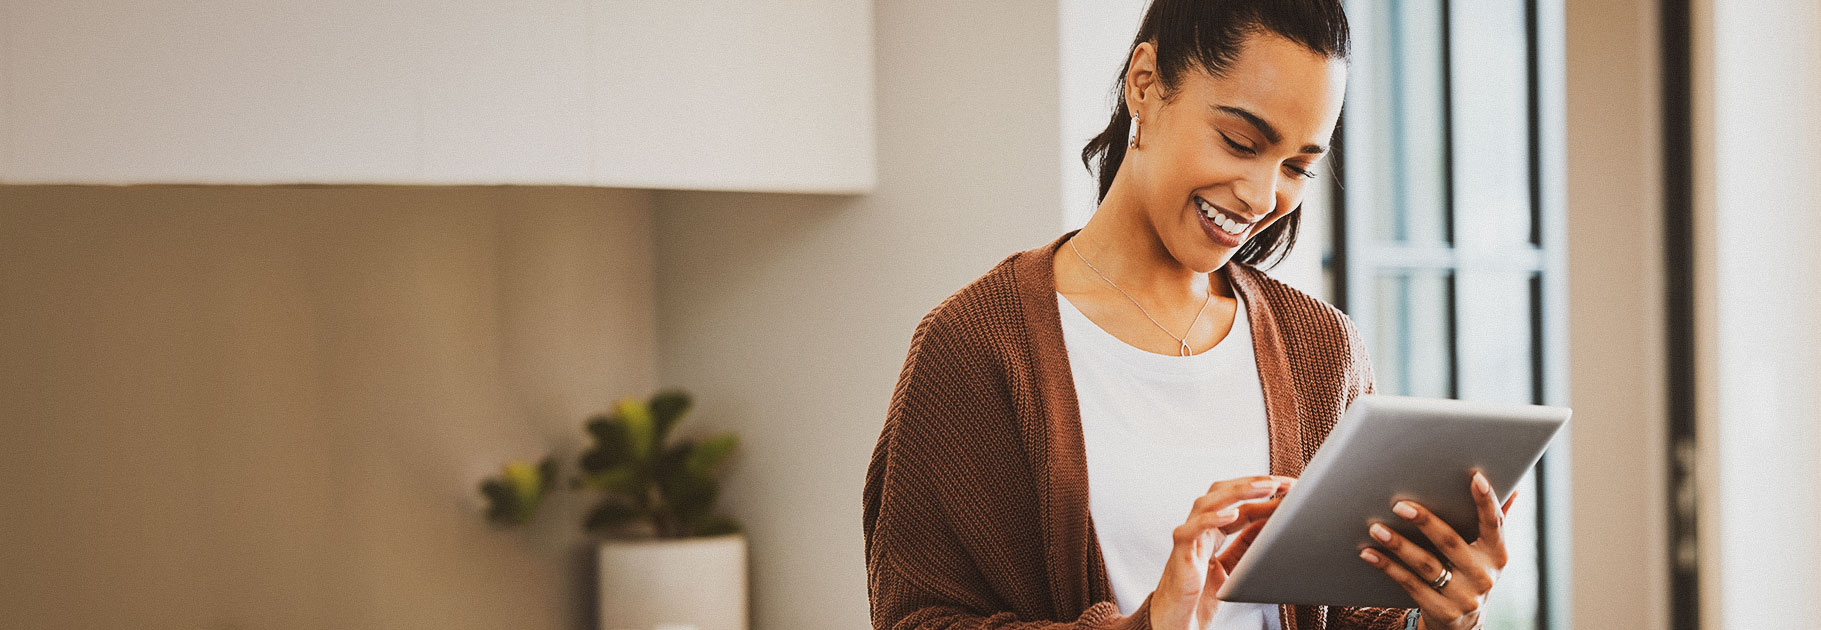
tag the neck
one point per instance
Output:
(1122, 244)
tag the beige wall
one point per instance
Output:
(269, 407)
(1619, 564)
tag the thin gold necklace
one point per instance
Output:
(1182, 343)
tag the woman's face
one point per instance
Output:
(1240, 147)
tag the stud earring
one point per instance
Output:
(1134, 135)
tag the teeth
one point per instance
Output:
(1229, 225)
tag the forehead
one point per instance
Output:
(1295, 89)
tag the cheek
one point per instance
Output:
(1284, 208)
(1289, 197)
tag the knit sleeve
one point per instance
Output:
(901, 603)
(934, 556)
(1367, 618)
(1362, 380)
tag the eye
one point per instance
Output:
(1237, 146)
(1300, 171)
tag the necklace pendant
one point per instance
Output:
(1185, 348)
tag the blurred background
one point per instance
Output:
(280, 284)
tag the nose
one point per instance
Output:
(1258, 190)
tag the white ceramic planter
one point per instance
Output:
(698, 582)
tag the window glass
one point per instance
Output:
(1410, 345)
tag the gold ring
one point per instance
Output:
(1441, 580)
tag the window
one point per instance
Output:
(1446, 247)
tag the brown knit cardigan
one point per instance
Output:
(976, 497)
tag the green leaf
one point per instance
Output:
(667, 409)
(524, 479)
(624, 480)
(713, 525)
(502, 505)
(612, 445)
(641, 428)
(514, 496)
(547, 473)
(689, 496)
(674, 461)
(709, 453)
(610, 514)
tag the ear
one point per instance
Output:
(1141, 80)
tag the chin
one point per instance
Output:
(1222, 260)
(1201, 256)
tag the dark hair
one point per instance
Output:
(1207, 35)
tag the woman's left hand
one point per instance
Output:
(1470, 569)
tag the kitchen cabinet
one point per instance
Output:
(674, 94)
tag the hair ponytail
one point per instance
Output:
(1109, 147)
(1208, 34)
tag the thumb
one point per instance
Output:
(1209, 602)
(1217, 577)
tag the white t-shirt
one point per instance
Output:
(1158, 430)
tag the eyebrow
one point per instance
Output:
(1271, 134)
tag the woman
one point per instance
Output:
(1143, 355)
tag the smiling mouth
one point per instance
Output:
(1225, 220)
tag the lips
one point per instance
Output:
(1226, 221)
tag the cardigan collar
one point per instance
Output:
(1053, 439)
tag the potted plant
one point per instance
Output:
(666, 557)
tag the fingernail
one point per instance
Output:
(1227, 515)
(1264, 484)
(1480, 484)
(1404, 509)
(1369, 555)
(1381, 533)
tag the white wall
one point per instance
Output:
(1759, 104)
(791, 315)
(1094, 38)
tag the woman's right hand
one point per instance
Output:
(1233, 509)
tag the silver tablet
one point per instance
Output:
(1386, 448)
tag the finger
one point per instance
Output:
(1210, 586)
(1192, 537)
(1225, 494)
(1492, 520)
(1250, 513)
(1243, 481)
(1289, 483)
(1437, 531)
(1508, 500)
(1419, 560)
(1427, 598)
(1237, 546)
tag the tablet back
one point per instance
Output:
(1384, 449)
